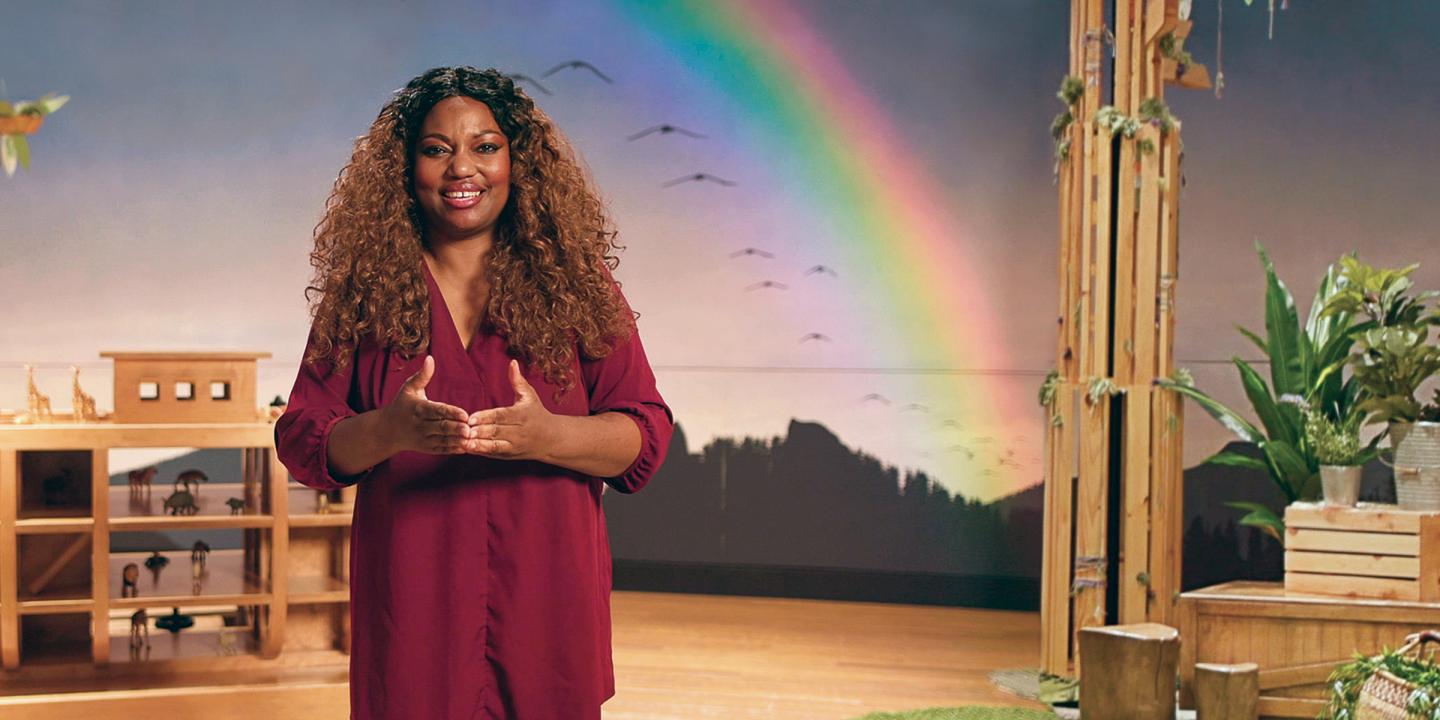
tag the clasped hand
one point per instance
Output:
(523, 431)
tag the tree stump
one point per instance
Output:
(1128, 672)
(1227, 692)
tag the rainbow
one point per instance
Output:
(888, 211)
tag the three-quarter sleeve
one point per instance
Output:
(318, 401)
(623, 382)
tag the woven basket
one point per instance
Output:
(1385, 696)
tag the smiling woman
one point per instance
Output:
(464, 275)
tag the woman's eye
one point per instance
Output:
(432, 150)
(489, 147)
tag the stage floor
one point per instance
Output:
(684, 657)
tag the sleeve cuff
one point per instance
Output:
(323, 462)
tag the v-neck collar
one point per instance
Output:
(439, 305)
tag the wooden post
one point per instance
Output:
(1119, 228)
(9, 565)
(1140, 665)
(1227, 692)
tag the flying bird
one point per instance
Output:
(767, 283)
(815, 336)
(752, 251)
(969, 454)
(698, 177)
(576, 65)
(665, 130)
(821, 269)
(875, 396)
(915, 406)
(519, 77)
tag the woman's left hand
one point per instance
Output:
(523, 431)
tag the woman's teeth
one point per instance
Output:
(462, 195)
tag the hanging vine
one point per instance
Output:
(1072, 89)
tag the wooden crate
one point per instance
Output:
(1296, 639)
(1371, 550)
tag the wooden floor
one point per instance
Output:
(684, 657)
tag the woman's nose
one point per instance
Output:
(462, 166)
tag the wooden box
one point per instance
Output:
(1295, 639)
(1370, 551)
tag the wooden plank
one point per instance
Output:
(1306, 674)
(1282, 707)
(1391, 566)
(1087, 253)
(9, 560)
(1147, 263)
(1124, 21)
(277, 478)
(1429, 580)
(1347, 541)
(1349, 586)
(1369, 517)
(1135, 528)
(1059, 509)
(56, 564)
(1125, 256)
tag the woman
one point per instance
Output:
(475, 371)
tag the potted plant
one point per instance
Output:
(1307, 362)
(19, 120)
(1337, 447)
(1393, 358)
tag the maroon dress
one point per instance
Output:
(480, 587)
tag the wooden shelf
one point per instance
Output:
(224, 581)
(314, 589)
(54, 525)
(301, 500)
(147, 511)
(74, 598)
(69, 436)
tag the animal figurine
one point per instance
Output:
(128, 588)
(174, 622)
(139, 627)
(140, 479)
(192, 477)
(322, 502)
(236, 505)
(38, 402)
(82, 403)
(181, 502)
(198, 553)
(155, 563)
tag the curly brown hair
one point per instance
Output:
(549, 271)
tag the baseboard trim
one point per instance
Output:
(978, 591)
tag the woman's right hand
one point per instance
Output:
(419, 424)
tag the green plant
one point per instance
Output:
(1072, 89)
(1346, 681)
(1306, 361)
(1394, 354)
(14, 148)
(1337, 442)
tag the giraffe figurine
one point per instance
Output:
(83, 403)
(39, 403)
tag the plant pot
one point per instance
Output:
(1416, 447)
(1340, 484)
(25, 124)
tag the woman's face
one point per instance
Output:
(462, 169)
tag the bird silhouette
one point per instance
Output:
(821, 269)
(665, 130)
(576, 65)
(752, 251)
(697, 177)
(767, 283)
(1008, 461)
(875, 396)
(521, 77)
(949, 422)
(969, 454)
(915, 406)
(815, 336)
